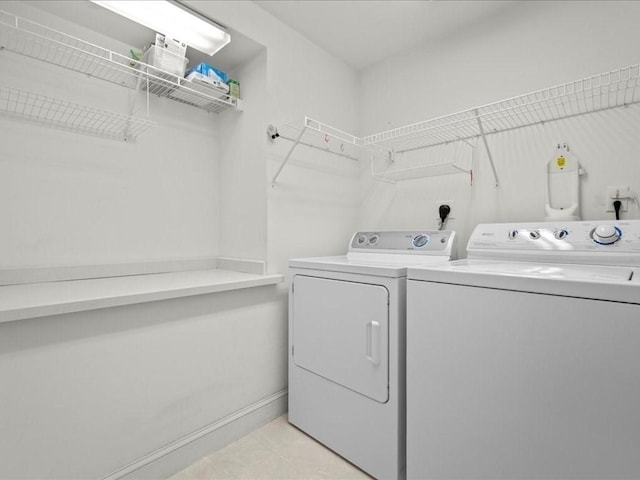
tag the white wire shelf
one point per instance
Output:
(71, 116)
(320, 136)
(447, 159)
(165, 84)
(396, 154)
(37, 41)
(600, 92)
(394, 174)
(605, 91)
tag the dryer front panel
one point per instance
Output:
(341, 333)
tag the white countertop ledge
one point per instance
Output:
(19, 302)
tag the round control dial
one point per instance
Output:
(606, 234)
(361, 240)
(560, 234)
(373, 239)
(512, 234)
(420, 240)
(534, 234)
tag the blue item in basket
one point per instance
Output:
(209, 71)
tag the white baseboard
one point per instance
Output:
(172, 458)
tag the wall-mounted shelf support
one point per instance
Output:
(316, 135)
(486, 147)
(288, 156)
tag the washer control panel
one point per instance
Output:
(570, 242)
(404, 242)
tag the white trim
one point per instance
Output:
(262, 411)
(257, 267)
(23, 275)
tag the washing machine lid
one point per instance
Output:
(584, 281)
(386, 254)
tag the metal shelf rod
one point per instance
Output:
(288, 156)
(488, 150)
(310, 145)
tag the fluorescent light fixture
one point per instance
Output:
(173, 21)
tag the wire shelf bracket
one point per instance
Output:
(486, 147)
(315, 135)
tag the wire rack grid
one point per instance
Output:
(163, 84)
(444, 159)
(600, 92)
(71, 116)
(37, 41)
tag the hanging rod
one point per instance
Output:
(339, 154)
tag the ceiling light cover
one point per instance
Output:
(173, 21)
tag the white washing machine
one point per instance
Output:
(523, 361)
(347, 345)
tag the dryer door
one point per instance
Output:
(341, 332)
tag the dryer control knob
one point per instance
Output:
(512, 234)
(560, 234)
(420, 240)
(606, 234)
(534, 234)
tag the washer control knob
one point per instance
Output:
(361, 240)
(512, 234)
(534, 234)
(606, 234)
(420, 240)
(373, 239)
(560, 234)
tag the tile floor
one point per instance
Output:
(278, 450)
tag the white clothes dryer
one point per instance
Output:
(347, 345)
(523, 361)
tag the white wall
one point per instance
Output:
(73, 199)
(530, 46)
(136, 373)
(86, 394)
(89, 394)
(242, 208)
(314, 206)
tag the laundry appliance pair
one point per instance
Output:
(520, 361)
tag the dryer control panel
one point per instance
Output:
(418, 242)
(607, 242)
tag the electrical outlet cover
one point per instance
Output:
(622, 193)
